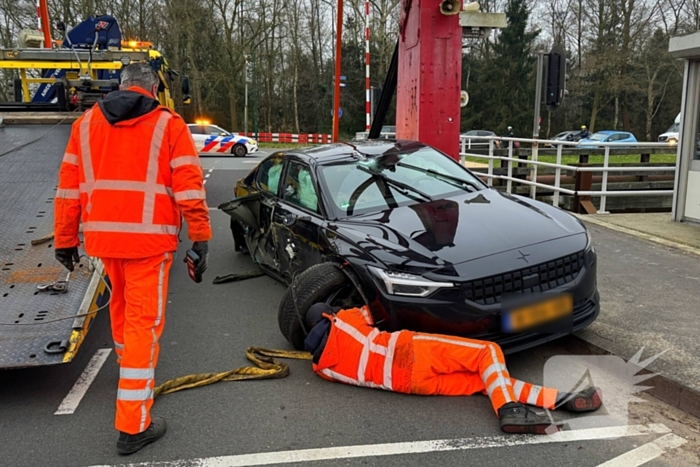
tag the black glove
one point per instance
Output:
(202, 249)
(68, 257)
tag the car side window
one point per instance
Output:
(196, 130)
(212, 130)
(269, 174)
(299, 188)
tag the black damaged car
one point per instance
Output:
(429, 246)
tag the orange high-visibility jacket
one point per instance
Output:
(357, 353)
(129, 183)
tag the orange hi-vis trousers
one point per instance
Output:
(455, 366)
(137, 312)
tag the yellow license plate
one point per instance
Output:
(530, 316)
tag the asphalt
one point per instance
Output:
(649, 282)
(208, 327)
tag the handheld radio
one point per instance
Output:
(192, 260)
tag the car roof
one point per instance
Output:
(367, 148)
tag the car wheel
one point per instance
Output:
(323, 282)
(239, 150)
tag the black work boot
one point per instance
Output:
(129, 444)
(519, 418)
(588, 400)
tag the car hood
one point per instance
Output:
(590, 141)
(430, 235)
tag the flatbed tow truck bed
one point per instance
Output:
(38, 328)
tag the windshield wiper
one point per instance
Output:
(401, 187)
(451, 179)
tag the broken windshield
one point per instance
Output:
(379, 183)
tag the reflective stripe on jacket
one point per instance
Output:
(129, 183)
(357, 353)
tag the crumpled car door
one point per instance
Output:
(254, 213)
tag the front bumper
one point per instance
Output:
(251, 148)
(448, 311)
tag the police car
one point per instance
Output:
(214, 140)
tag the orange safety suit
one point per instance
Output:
(410, 362)
(129, 172)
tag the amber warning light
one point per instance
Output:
(137, 44)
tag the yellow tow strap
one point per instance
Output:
(266, 367)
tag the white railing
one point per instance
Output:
(535, 145)
(362, 135)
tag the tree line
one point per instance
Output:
(620, 73)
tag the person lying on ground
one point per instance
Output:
(348, 348)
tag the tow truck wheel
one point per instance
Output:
(239, 150)
(320, 283)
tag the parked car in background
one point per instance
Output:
(474, 138)
(571, 135)
(671, 135)
(387, 132)
(429, 246)
(212, 139)
(607, 136)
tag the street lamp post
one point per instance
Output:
(245, 109)
(336, 90)
(255, 96)
(255, 86)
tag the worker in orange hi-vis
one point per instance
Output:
(348, 348)
(129, 173)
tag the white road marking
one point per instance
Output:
(646, 452)
(77, 392)
(415, 447)
(211, 170)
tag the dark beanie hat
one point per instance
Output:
(315, 313)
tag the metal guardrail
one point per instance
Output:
(534, 163)
(363, 135)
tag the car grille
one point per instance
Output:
(537, 278)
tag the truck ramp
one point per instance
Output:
(38, 327)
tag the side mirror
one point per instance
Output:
(185, 85)
(223, 134)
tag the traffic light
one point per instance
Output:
(556, 78)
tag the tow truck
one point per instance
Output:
(45, 313)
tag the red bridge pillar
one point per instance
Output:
(429, 76)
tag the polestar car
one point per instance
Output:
(408, 230)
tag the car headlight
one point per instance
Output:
(408, 285)
(589, 240)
